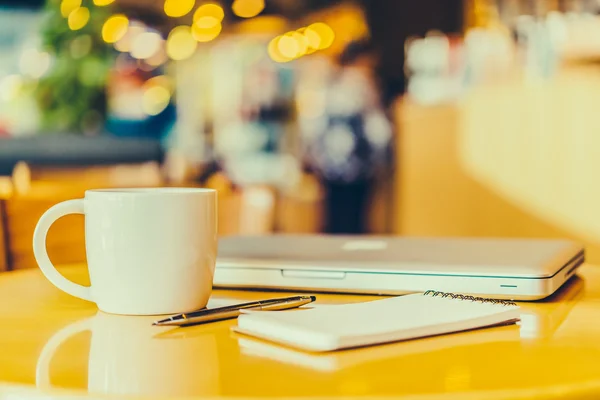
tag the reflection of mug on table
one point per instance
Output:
(126, 358)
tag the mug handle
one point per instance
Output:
(42, 374)
(41, 254)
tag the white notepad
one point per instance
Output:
(380, 321)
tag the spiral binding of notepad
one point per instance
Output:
(435, 293)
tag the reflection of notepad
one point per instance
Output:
(380, 321)
(506, 337)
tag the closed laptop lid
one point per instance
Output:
(534, 258)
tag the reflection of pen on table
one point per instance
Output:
(233, 311)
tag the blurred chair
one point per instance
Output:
(3, 242)
(21, 212)
(30, 199)
(147, 174)
(300, 209)
(42, 171)
(228, 204)
(257, 210)
(243, 211)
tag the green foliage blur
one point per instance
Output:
(72, 95)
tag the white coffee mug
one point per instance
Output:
(149, 251)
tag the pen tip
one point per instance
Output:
(313, 298)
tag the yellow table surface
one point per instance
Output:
(53, 345)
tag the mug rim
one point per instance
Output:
(151, 191)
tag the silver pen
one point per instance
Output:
(233, 311)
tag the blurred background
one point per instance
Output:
(428, 118)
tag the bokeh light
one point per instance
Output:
(209, 10)
(247, 8)
(160, 80)
(34, 63)
(206, 34)
(313, 38)
(301, 43)
(288, 46)
(134, 29)
(207, 22)
(155, 99)
(181, 43)
(145, 45)
(158, 58)
(274, 52)
(178, 8)
(80, 46)
(115, 28)
(323, 31)
(102, 3)
(79, 18)
(68, 6)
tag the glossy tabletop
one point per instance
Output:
(53, 345)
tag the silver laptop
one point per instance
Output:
(518, 269)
